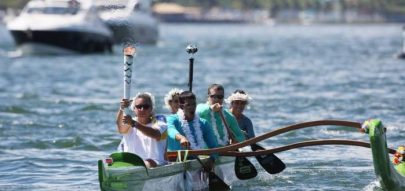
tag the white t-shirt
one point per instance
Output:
(147, 148)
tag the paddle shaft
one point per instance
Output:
(230, 133)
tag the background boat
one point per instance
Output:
(129, 20)
(60, 27)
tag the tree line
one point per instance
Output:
(380, 6)
(376, 6)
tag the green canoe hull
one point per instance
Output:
(385, 171)
(129, 174)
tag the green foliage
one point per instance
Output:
(15, 4)
(386, 6)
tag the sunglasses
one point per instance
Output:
(189, 104)
(217, 96)
(239, 102)
(174, 101)
(142, 106)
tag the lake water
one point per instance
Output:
(57, 113)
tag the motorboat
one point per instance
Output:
(60, 27)
(129, 20)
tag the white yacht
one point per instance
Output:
(129, 20)
(60, 27)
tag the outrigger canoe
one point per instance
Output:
(128, 172)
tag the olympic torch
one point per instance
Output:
(129, 53)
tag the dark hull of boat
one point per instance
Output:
(75, 41)
(142, 34)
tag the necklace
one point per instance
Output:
(225, 138)
(196, 142)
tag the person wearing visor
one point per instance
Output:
(212, 111)
(238, 102)
(144, 135)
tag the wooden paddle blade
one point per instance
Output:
(271, 163)
(244, 169)
(216, 184)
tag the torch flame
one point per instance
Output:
(129, 50)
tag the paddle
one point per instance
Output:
(244, 169)
(214, 182)
(270, 162)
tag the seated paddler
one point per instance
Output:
(218, 117)
(172, 100)
(238, 102)
(144, 135)
(186, 130)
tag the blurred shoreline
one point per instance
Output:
(272, 12)
(175, 13)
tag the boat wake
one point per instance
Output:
(373, 186)
(12, 54)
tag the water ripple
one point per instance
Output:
(57, 114)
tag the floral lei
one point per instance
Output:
(225, 138)
(399, 155)
(195, 142)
